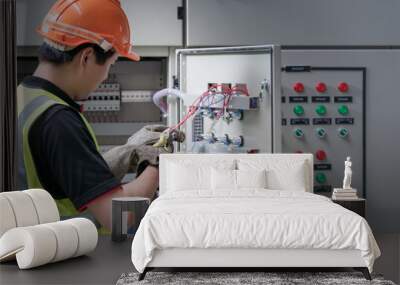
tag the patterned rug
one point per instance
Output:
(242, 278)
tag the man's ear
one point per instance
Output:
(86, 55)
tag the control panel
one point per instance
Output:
(323, 114)
(229, 95)
(122, 104)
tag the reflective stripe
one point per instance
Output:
(31, 104)
(77, 31)
(22, 119)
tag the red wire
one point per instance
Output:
(192, 109)
(195, 106)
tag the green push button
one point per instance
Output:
(298, 133)
(320, 110)
(298, 110)
(343, 133)
(343, 110)
(321, 178)
(321, 133)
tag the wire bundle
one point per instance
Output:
(208, 99)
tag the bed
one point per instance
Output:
(246, 211)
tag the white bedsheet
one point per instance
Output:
(253, 218)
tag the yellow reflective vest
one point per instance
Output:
(31, 103)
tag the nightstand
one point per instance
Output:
(355, 205)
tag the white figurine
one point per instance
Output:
(347, 174)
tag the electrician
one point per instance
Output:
(57, 148)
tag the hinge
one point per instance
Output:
(175, 82)
(180, 13)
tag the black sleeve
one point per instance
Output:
(70, 156)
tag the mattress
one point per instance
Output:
(251, 219)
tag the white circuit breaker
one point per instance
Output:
(107, 97)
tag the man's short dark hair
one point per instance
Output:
(55, 56)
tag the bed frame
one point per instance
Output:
(242, 259)
(249, 259)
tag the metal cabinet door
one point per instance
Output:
(253, 66)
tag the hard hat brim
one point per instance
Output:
(132, 56)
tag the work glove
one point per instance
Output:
(167, 139)
(147, 135)
(158, 136)
(131, 158)
(139, 152)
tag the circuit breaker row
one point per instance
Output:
(108, 97)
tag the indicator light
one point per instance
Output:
(320, 87)
(320, 110)
(320, 177)
(298, 87)
(343, 87)
(298, 110)
(320, 154)
(343, 110)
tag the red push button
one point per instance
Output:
(298, 151)
(343, 87)
(298, 87)
(320, 87)
(321, 155)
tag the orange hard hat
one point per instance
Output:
(71, 23)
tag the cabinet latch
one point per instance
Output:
(180, 13)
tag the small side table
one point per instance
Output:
(137, 205)
(355, 205)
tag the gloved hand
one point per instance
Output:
(147, 135)
(146, 155)
(138, 152)
(129, 158)
(158, 136)
(167, 138)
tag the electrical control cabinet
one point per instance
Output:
(323, 113)
(122, 104)
(235, 91)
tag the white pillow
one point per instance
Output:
(226, 179)
(251, 178)
(282, 174)
(189, 176)
(293, 178)
(223, 179)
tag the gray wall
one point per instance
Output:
(153, 22)
(328, 23)
(293, 22)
